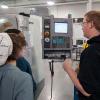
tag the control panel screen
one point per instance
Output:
(61, 27)
(79, 42)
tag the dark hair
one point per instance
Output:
(94, 16)
(15, 31)
(18, 43)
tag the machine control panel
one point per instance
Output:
(57, 38)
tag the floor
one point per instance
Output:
(62, 85)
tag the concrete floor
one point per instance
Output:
(62, 85)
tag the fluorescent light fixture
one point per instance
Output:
(4, 6)
(50, 3)
(33, 9)
(2, 20)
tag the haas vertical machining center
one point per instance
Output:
(57, 38)
(57, 41)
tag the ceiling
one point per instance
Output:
(16, 3)
(16, 6)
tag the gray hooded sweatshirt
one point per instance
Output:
(15, 84)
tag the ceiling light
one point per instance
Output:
(50, 3)
(4, 6)
(33, 9)
(2, 20)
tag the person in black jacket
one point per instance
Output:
(21, 62)
(87, 81)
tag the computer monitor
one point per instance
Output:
(61, 27)
(79, 42)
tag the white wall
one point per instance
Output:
(77, 11)
(78, 33)
(96, 6)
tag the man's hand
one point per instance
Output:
(86, 94)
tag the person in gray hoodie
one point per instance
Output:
(14, 84)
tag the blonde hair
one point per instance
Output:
(5, 25)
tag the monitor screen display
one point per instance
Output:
(79, 42)
(61, 27)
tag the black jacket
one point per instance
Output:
(89, 73)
